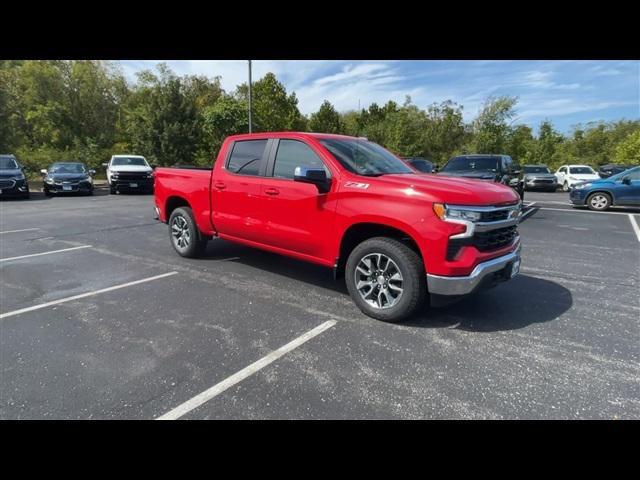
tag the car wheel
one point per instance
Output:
(386, 279)
(184, 234)
(47, 192)
(598, 201)
(565, 187)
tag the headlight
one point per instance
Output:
(581, 186)
(444, 212)
(114, 175)
(150, 175)
(48, 180)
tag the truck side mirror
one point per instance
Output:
(316, 176)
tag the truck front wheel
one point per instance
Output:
(184, 234)
(386, 279)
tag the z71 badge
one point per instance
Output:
(356, 185)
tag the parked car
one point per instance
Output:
(539, 177)
(605, 171)
(492, 168)
(129, 173)
(13, 178)
(622, 189)
(569, 175)
(421, 164)
(348, 204)
(67, 177)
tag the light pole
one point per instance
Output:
(250, 97)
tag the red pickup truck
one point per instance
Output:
(348, 204)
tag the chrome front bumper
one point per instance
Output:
(439, 285)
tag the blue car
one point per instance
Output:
(622, 189)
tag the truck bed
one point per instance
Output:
(186, 182)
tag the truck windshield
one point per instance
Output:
(8, 163)
(130, 161)
(458, 164)
(364, 158)
(536, 170)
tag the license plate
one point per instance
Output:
(133, 184)
(67, 188)
(515, 268)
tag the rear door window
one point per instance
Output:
(246, 157)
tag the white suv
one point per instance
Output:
(129, 173)
(568, 175)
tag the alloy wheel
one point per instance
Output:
(378, 280)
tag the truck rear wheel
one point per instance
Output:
(386, 279)
(184, 234)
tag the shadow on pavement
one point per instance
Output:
(512, 305)
(515, 304)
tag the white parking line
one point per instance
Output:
(574, 210)
(531, 210)
(44, 253)
(16, 231)
(217, 389)
(635, 226)
(83, 295)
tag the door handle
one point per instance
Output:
(219, 185)
(272, 191)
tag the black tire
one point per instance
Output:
(193, 244)
(112, 190)
(599, 201)
(410, 265)
(47, 193)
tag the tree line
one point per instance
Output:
(86, 111)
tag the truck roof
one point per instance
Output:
(127, 156)
(286, 134)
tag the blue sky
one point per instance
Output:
(565, 92)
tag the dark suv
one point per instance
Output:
(13, 180)
(491, 168)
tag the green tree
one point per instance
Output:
(628, 151)
(547, 144)
(491, 127)
(444, 132)
(521, 144)
(227, 116)
(326, 120)
(272, 108)
(162, 121)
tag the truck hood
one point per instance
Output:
(10, 173)
(477, 174)
(544, 176)
(130, 168)
(454, 191)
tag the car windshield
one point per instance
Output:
(8, 163)
(582, 171)
(138, 161)
(459, 164)
(624, 173)
(364, 158)
(67, 168)
(422, 165)
(536, 170)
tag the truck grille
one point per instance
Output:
(495, 215)
(483, 241)
(493, 239)
(132, 176)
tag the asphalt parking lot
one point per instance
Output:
(110, 323)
